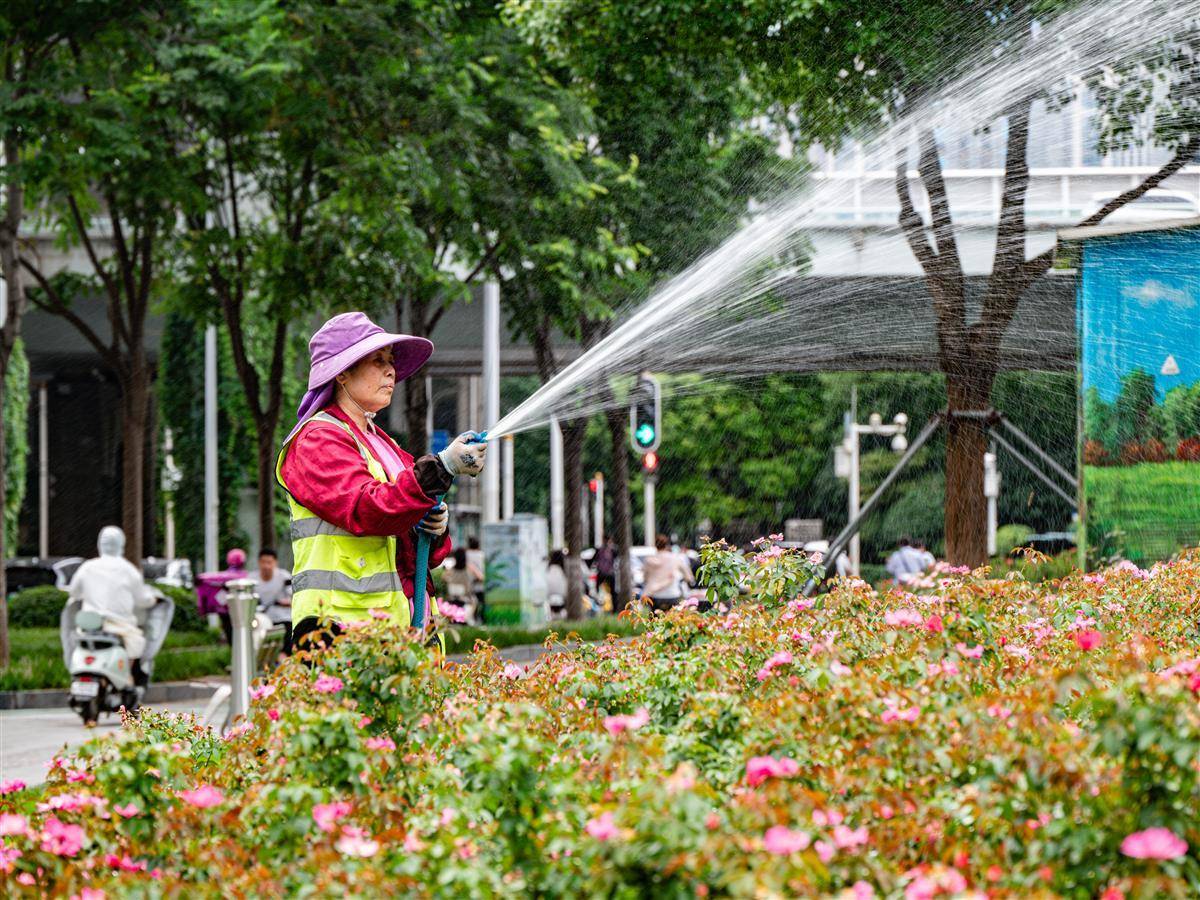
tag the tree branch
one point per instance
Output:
(123, 260)
(86, 240)
(1010, 229)
(1184, 155)
(1034, 268)
(307, 173)
(275, 381)
(238, 251)
(943, 277)
(911, 224)
(141, 301)
(486, 260)
(57, 306)
(1004, 286)
(930, 168)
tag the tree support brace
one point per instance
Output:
(994, 420)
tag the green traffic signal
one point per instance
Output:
(645, 434)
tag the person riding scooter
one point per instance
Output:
(112, 626)
(113, 588)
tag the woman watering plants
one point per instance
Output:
(357, 499)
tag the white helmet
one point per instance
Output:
(112, 541)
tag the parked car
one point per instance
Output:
(1155, 204)
(175, 572)
(33, 571)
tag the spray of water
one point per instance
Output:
(745, 309)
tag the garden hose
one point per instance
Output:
(421, 571)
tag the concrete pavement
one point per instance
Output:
(29, 738)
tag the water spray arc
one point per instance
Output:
(724, 313)
(737, 312)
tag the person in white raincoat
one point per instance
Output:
(113, 587)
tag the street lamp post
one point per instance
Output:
(847, 456)
(991, 491)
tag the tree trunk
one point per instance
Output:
(14, 211)
(416, 403)
(622, 519)
(573, 436)
(416, 406)
(135, 396)
(3, 517)
(966, 442)
(266, 484)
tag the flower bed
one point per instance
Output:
(987, 736)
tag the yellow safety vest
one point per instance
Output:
(336, 574)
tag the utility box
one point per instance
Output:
(1139, 366)
(514, 573)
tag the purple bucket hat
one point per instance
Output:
(339, 344)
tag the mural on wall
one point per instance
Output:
(1139, 331)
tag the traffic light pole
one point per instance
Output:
(648, 518)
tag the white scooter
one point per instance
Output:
(100, 668)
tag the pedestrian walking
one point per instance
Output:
(665, 574)
(906, 563)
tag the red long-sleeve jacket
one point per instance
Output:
(325, 472)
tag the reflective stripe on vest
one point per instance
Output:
(312, 526)
(324, 580)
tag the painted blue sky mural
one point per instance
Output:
(1140, 308)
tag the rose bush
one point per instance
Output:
(979, 735)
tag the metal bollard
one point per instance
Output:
(243, 605)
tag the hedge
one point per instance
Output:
(41, 607)
(982, 737)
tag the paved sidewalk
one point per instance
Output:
(29, 738)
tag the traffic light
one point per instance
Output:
(650, 463)
(645, 415)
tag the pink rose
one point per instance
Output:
(760, 768)
(1088, 638)
(614, 725)
(1154, 843)
(11, 786)
(327, 814)
(453, 612)
(845, 838)
(11, 823)
(203, 797)
(356, 842)
(328, 684)
(380, 743)
(61, 839)
(128, 811)
(512, 672)
(602, 828)
(783, 841)
(903, 618)
(265, 690)
(969, 652)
